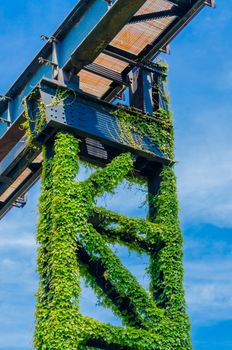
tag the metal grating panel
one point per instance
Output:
(111, 63)
(93, 84)
(135, 37)
(96, 149)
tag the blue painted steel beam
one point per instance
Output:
(81, 30)
(110, 25)
(69, 36)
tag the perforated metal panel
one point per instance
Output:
(89, 117)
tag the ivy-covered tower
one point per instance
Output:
(74, 235)
(63, 110)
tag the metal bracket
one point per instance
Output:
(2, 120)
(4, 98)
(110, 2)
(47, 62)
(20, 201)
(166, 49)
(8, 100)
(54, 63)
(50, 39)
(211, 3)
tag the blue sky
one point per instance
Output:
(200, 84)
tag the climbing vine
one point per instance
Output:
(33, 127)
(74, 239)
(134, 126)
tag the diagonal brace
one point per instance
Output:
(118, 338)
(133, 232)
(98, 273)
(120, 277)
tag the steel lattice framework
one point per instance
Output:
(65, 103)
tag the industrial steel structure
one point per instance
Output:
(94, 55)
(102, 49)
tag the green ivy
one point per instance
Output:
(33, 127)
(74, 237)
(157, 128)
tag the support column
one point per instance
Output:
(75, 238)
(166, 262)
(59, 289)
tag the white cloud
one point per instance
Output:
(17, 302)
(205, 170)
(19, 242)
(208, 290)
